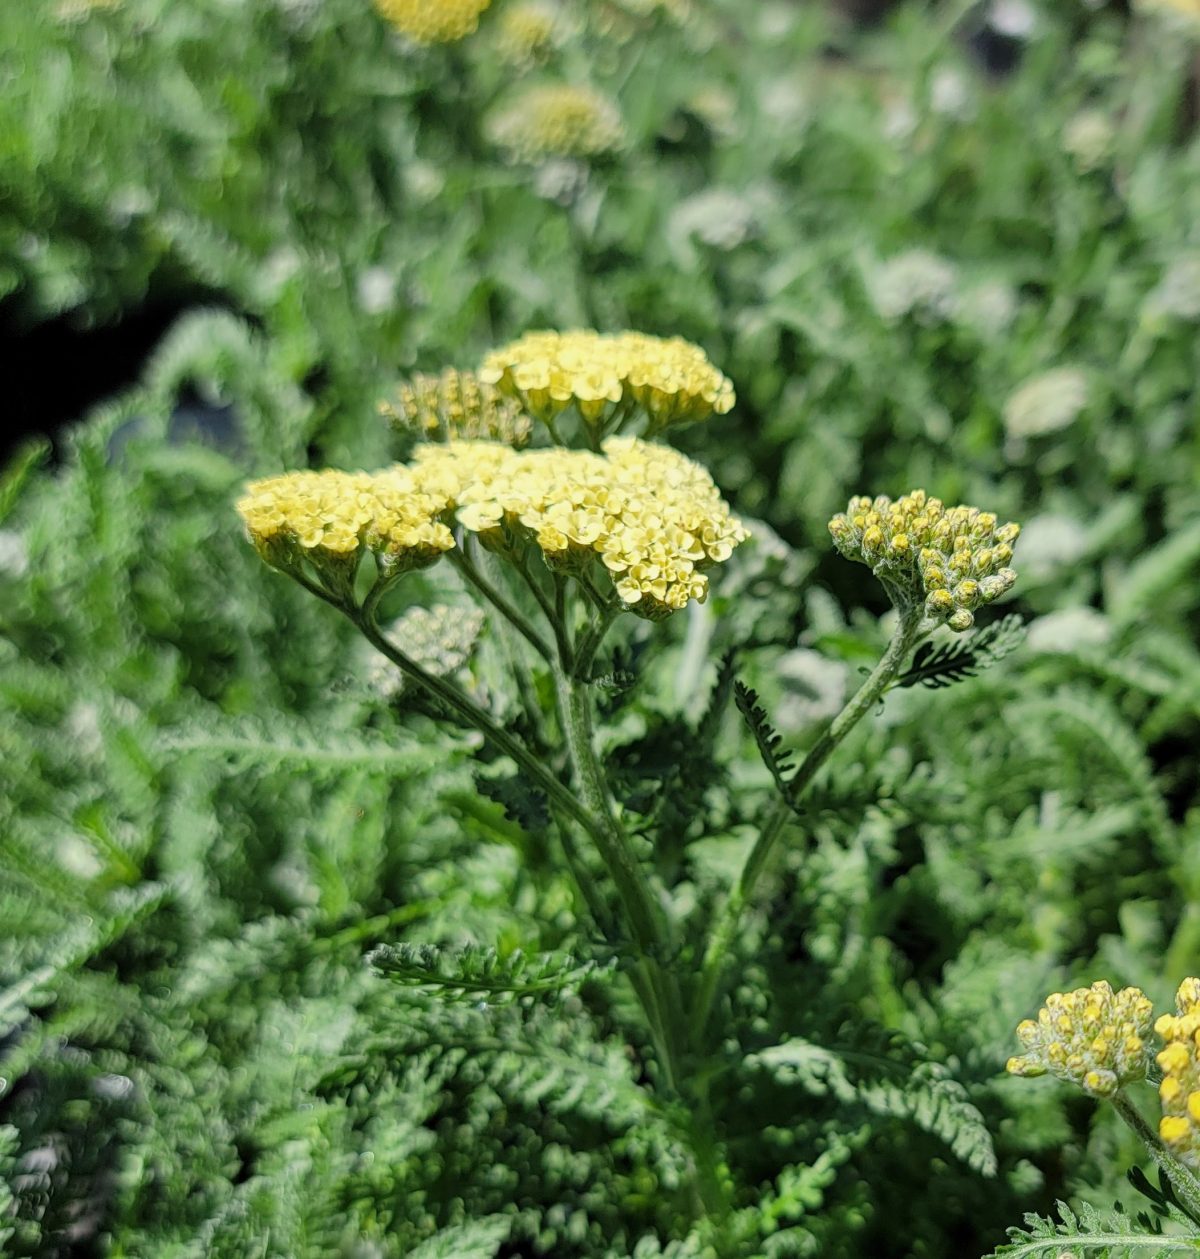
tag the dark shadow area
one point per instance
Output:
(58, 369)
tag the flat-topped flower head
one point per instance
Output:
(606, 377)
(952, 558)
(550, 120)
(1092, 1037)
(433, 21)
(331, 519)
(644, 515)
(457, 405)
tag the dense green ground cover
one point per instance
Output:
(213, 807)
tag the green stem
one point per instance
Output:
(458, 557)
(656, 987)
(645, 919)
(864, 699)
(1183, 1180)
(454, 699)
(590, 643)
(566, 653)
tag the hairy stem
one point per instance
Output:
(589, 644)
(500, 602)
(559, 795)
(864, 699)
(1183, 1180)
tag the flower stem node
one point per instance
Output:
(1091, 1037)
(954, 559)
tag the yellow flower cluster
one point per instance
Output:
(433, 21)
(456, 405)
(649, 516)
(604, 376)
(955, 558)
(1179, 1091)
(557, 120)
(1092, 1037)
(331, 517)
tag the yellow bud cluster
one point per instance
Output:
(1179, 1091)
(527, 32)
(457, 405)
(433, 21)
(557, 120)
(1092, 1037)
(645, 514)
(601, 375)
(331, 518)
(955, 558)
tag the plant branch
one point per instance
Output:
(1183, 1181)
(461, 561)
(559, 795)
(868, 695)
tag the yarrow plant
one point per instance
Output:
(555, 543)
(1102, 1042)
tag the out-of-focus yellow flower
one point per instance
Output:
(955, 558)
(527, 32)
(433, 21)
(607, 377)
(332, 518)
(647, 515)
(1189, 9)
(457, 405)
(1092, 1037)
(557, 120)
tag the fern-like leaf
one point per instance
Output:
(477, 1239)
(937, 665)
(768, 739)
(521, 800)
(473, 973)
(1111, 1232)
(888, 1076)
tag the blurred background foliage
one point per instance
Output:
(952, 246)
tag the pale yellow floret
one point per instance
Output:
(1093, 1037)
(433, 21)
(669, 379)
(332, 517)
(650, 517)
(953, 558)
(557, 120)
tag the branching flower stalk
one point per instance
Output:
(560, 543)
(1100, 1041)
